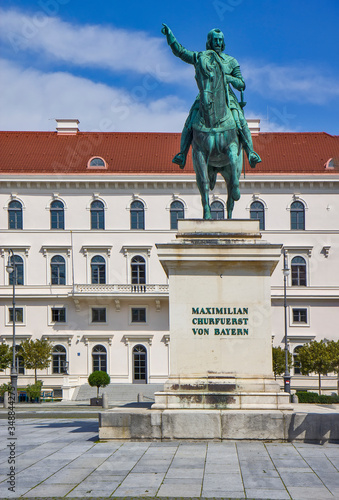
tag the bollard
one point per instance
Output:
(295, 399)
(6, 400)
(140, 397)
(104, 400)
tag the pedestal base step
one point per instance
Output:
(221, 400)
(150, 425)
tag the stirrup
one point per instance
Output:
(253, 159)
(180, 159)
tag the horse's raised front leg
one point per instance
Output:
(230, 201)
(235, 158)
(201, 171)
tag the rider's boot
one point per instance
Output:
(186, 140)
(246, 140)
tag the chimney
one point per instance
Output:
(254, 125)
(67, 126)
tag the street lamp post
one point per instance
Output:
(11, 269)
(287, 376)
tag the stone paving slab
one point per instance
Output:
(62, 459)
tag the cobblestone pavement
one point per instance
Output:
(62, 458)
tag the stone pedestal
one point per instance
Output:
(220, 317)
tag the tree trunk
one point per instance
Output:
(98, 390)
(319, 383)
(35, 375)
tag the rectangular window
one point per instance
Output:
(58, 314)
(98, 315)
(138, 315)
(19, 315)
(300, 316)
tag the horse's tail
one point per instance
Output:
(212, 175)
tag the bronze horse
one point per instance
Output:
(216, 146)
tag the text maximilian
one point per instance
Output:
(219, 310)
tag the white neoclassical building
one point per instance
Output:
(83, 212)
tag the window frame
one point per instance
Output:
(137, 216)
(19, 276)
(61, 369)
(57, 266)
(176, 211)
(54, 321)
(101, 278)
(294, 355)
(136, 267)
(297, 267)
(9, 316)
(299, 324)
(59, 213)
(99, 321)
(214, 211)
(262, 222)
(97, 216)
(99, 354)
(17, 214)
(138, 308)
(294, 214)
(94, 167)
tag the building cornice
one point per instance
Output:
(182, 181)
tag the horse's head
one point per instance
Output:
(210, 81)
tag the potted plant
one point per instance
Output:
(98, 379)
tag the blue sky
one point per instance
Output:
(107, 63)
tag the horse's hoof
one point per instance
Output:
(180, 159)
(236, 193)
(253, 159)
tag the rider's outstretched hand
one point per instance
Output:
(165, 30)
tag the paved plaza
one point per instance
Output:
(59, 457)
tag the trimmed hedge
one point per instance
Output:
(314, 397)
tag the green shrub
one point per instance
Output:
(99, 379)
(5, 388)
(34, 390)
(314, 397)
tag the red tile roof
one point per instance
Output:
(152, 153)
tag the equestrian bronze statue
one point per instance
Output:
(216, 126)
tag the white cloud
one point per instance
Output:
(293, 83)
(97, 46)
(30, 98)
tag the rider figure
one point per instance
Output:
(232, 75)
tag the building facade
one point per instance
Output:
(83, 213)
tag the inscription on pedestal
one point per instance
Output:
(223, 321)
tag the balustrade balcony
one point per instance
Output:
(120, 289)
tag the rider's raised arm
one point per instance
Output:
(177, 49)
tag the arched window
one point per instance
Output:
(97, 215)
(58, 270)
(139, 364)
(15, 215)
(217, 210)
(297, 216)
(59, 359)
(257, 211)
(137, 215)
(99, 358)
(296, 363)
(298, 266)
(177, 211)
(138, 268)
(98, 269)
(97, 162)
(57, 215)
(18, 274)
